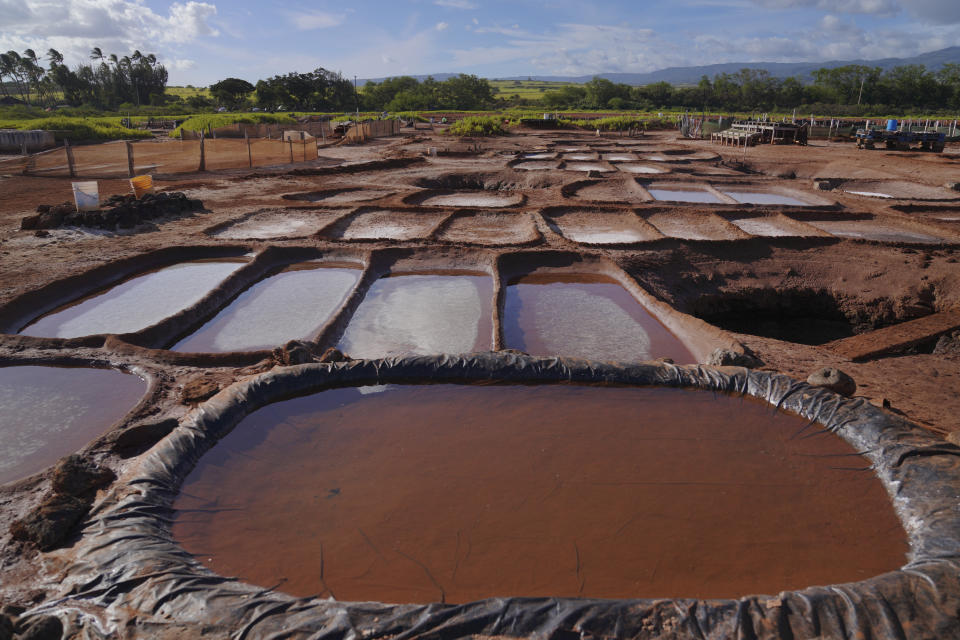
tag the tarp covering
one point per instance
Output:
(126, 577)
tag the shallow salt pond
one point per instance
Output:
(291, 305)
(638, 168)
(584, 316)
(136, 303)
(684, 195)
(50, 412)
(453, 493)
(763, 198)
(422, 314)
(476, 199)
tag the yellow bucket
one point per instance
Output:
(141, 185)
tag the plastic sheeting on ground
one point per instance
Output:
(128, 578)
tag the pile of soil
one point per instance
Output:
(118, 212)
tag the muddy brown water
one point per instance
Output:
(49, 412)
(584, 316)
(422, 313)
(135, 303)
(291, 305)
(457, 493)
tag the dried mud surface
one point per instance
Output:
(726, 273)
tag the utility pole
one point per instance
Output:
(356, 96)
(861, 90)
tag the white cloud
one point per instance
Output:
(75, 26)
(873, 7)
(181, 64)
(936, 11)
(455, 4)
(309, 20)
(442, 26)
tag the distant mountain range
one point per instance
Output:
(691, 75)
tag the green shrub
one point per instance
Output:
(78, 129)
(206, 120)
(477, 126)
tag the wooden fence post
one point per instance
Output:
(70, 164)
(129, 158)
(246, 136)
(203, 160)
(291, 150)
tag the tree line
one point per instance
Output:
(322, 90)
(108, 82)
(847, 90)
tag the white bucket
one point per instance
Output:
(86, 195)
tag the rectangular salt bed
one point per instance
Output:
(136, 303)
(584, 316)
(291, 305)
(407, 314)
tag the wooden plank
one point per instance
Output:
(896, 338)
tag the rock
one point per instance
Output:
(948, 344)
(834, 380)
(953, 438)
(730, 358)
(51, 523)
(334, 355)
(198, 390)
(880, 403)
(41, 233)
(294, 352)
(42, 628)
(6, 627)
(28, 223)
(141, 436)
(665, 360)
(75, 476)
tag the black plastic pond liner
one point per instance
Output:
(129, 578)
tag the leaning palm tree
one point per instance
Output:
(96, 54)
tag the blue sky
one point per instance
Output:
(203, 42)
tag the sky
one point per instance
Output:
(203, 42)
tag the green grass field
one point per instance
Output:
(188, 92)
(528, 89)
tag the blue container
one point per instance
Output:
(891, 125)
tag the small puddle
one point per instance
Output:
(422, 314)
(136, 303)
(456, 493)
(684, 195)
(286, 224)
(538, 156)
(50, 412)
(474, 199)
(638, 168)
(760, 197)
(586, 166)
(390, 225)
(584, 316)
(764, 227)
(535, 166)
(657, 158)
(619, 157)
(870, 194)
(291, 305)
(579, 156)
(871, 231)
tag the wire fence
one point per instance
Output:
(127, 159)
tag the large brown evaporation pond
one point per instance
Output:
(584, 316)
(48, 412)
(136, 303)
(456, 493)
(291, 305)
(422, 314)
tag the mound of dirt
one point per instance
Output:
(118, 212)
